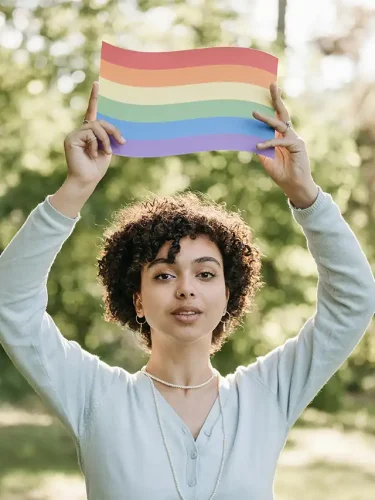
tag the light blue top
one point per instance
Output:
(110, 413)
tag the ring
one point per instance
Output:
(288, 126)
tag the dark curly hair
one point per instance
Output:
(140, 229)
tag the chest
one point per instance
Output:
(123, 447)
(194, 409)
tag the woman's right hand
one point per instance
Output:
(87, 164)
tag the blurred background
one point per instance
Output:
(50, 55)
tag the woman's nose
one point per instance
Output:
(185, 288)
(185, 294)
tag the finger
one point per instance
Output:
(92, 108)
(278, 103)
(287, 142)
(275, 123)
(102, 135)
(112, 130)
(93, 144)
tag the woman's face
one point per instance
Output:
(186, 282)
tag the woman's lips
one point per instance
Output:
(187, 318)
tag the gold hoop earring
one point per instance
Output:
(136, 319)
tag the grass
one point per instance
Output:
(326, 456)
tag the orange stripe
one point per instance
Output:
(185, 76)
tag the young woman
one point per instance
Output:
(181, 272)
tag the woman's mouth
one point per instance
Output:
(187, 317)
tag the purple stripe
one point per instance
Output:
(185, 145)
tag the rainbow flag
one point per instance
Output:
(173, 103)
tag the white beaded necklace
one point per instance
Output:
(143, 369)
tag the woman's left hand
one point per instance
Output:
(290, 169)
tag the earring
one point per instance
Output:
(224, 322)
(136, 319)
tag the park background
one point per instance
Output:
(50, 55)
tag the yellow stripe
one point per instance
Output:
(184, 93)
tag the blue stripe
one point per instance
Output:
(190, 128)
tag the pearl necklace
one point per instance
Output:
(143, 369)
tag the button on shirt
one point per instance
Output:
(110, 413)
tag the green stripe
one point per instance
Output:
(181, 111)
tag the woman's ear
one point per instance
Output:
(137, 302)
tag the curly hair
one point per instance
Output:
(140, 229)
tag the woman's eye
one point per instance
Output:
(166, 274)
(208, 272)
(161, 274)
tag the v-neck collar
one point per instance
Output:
(212, 417)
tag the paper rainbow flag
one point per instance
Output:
(172, 103)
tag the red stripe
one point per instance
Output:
(188, 58)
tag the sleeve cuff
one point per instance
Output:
(302, 213)
(58, 216)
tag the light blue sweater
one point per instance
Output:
(110, 412)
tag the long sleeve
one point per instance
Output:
(70, 380)
(294, 372)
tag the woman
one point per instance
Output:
(181, 272)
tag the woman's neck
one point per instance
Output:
(180, 367)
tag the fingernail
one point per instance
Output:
(110, 150)
(260, 144)
(122, 139)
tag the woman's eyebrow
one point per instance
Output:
(199, 260)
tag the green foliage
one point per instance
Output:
(43, 97)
